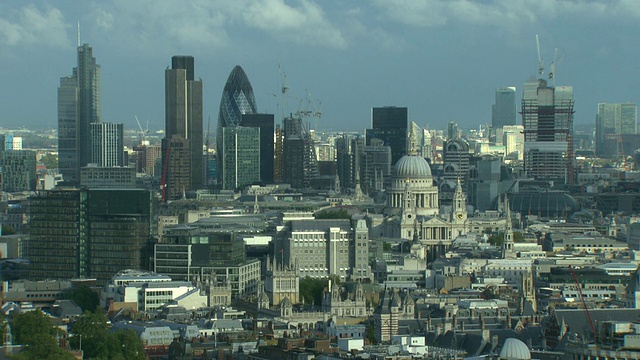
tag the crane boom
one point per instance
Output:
(540, 61)
(584, 303)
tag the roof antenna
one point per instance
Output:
(78, 33)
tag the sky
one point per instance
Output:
(441, 59)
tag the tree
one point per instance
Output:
(86, 298)
(496, 239)
(333, 214)
(50, 161)
(518, 237)
(311, 290)
(386, 246)
(99, 343)
(371, 334)
(130, 344)
(44, 347)
(27, 327)
(7, 230)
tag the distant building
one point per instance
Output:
(18, 170)
(390, 124)
(503, 112)
(547, 117)
(613, 123)
(89, 233)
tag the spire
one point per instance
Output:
(256, 207)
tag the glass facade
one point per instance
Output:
(237, 99)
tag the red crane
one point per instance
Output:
(584, 303)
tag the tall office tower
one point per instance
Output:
(87, 233)
(375, 166)
(513, 140)
(452, 130)
(237, 99)
(389, 124)
(300, 162)
(240, 157)
(614, 123)
(503, 112)
(78, 107)
(107, 148)
(456, 157)
(265, 123)
(182, 159)
(278, 155)
(17, 170)
(547, 117)
(344, 162)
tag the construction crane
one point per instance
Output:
(143, 133)
(540, 61)
(584, 303)
(163, 179)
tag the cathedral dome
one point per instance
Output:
(412, 166)
(514, 349)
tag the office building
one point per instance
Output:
(107, 148)
(183, 162)
(89, 233)
(240, 158)
(237, 100)
(18, 170)
(78, 107)
(375, 166)
(547, 117)
(390, 124)
(320, 248)
(116, 177)
(300, 166)
(452, 130)
(149, 159)
(614, 122)
(266, 124)
(503, 112)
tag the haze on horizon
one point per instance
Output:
(441, 59)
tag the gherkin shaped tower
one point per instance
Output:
(237, 100)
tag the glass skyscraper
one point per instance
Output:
(503, 112)
(237, 100)
(390, 125)
(613, 123)
(78, 108)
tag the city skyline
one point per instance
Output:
(424, 55)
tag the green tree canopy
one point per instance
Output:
(311, 290)
(44, 347)
(86, 298)
(333, 214)
(27, 327)
(98, 343)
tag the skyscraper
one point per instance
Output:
(78, 107)
(265, 122)
(107, 148)
(182, 159)
(503, 112)
(613, 122)
(237, 99)
(389, 124)
(241, 156)
(547, 117)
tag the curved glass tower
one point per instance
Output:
(237, 100)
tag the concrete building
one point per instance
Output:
(107, 147)
(108, 177)
(18, 170)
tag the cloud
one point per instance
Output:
(432, 13)
(302, 24)
(32, 26)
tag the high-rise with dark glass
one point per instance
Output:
(78, 108)
(237, 100)
(390, 125)
(266, 124)
(503, 112)
(615, 125)
(182, 147)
